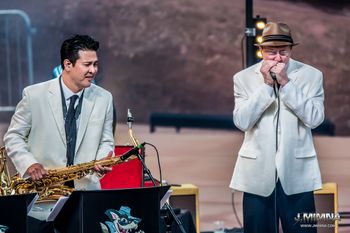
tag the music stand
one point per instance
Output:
(91, 211)
(14, 210)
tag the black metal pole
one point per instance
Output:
(250, 33)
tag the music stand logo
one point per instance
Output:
(3, 228)
(121, 221)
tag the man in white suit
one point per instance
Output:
(39, 137)
(277, 103)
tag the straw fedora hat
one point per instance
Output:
(276, 34)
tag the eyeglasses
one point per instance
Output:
(273, 53)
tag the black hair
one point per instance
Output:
(70, 47)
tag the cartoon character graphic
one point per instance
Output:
(121, 221)
(3, 228)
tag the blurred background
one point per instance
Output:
(179, 57)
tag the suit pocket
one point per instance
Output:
(300, 153)
(96, 120)
(251, 154)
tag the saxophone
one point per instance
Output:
(51, 187)
(5, 178)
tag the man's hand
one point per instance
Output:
(36, 171)
(102, 170)
(265, 71)
(281, 75)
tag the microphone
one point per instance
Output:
(133, 151)
(129, 119)
(274, 77)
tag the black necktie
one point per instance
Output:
(71, 130)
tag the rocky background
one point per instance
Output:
(180, 55)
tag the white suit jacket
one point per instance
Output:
(37, 134)
(255, 113)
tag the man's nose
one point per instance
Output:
(278, 57)
(92, 69)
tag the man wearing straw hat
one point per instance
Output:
(277, 103)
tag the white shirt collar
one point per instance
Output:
(67, 92)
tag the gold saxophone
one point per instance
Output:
(51, 186)
(5, 178)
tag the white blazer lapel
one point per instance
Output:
(258, 67)
(86, 109)
(55, 102)
(293, 67)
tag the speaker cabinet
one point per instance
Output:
(186, 197)
(326, 201)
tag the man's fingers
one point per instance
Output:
(33, 174)
(36, 171)
(110, 154)
(108, 169)
(278, 68)
(98, 168)
(101, 169)
(36, 175)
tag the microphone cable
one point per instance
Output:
(276, 89)
(158, 160)
(234, 210)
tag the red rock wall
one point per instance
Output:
(179, 56)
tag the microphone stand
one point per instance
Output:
(167, 205)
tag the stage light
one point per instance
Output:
(258, 54)
(259, 24)
(258, 39)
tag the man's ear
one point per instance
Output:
(67, 64)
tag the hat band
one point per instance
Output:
(278, 38)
